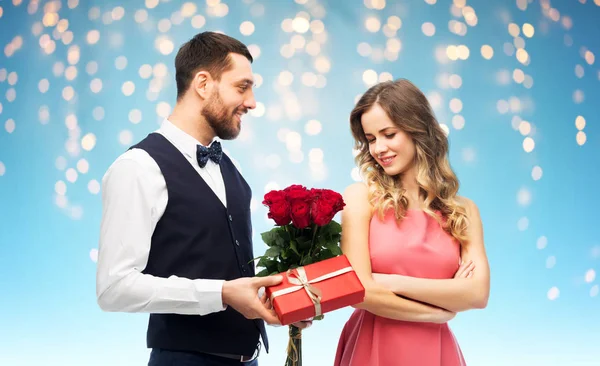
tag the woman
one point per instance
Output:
(413, 242)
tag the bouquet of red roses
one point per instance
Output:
(305, 233)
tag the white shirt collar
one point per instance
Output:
(183, 141)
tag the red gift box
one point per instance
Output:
(327, 285)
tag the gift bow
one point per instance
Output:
(297, 276)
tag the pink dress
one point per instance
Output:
(418, 247)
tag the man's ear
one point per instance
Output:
(203, 84)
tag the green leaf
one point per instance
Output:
(263, 273)
(281, 267)
(333, 247)
(273, 252)
(294, 247)
(307, 260)
(269, 237)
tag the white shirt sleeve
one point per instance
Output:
(134, 197)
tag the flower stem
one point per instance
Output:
(294, 351)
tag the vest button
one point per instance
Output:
(230, 218)
(237, 242)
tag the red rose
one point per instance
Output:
(325, 206)
(279, 207)
(300, 200)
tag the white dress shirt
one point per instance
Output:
(134, 197)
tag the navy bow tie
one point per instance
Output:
(214, 153)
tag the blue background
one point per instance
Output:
(541, 229)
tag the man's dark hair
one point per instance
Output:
(206, 51)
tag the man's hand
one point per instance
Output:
(267, 304)
(465, 270)
(242, 295)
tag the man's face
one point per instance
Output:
(230, 99)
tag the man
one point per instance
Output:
(175, 237)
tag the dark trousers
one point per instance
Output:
(162, 357)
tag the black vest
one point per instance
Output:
(198, 237)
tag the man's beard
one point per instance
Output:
(219, 119)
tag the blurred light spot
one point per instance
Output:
(96, 85)
(580, 122)
(536, 173)
(128, 88)
(125, 137)
(254, 51)
(44, 114)
(9, 125)
(68, 93)
(145, 71)
(293, 141)
(445, 128)
(43, 85)
(164, 25)
(121, 62)
(198, 21)
(273, 161)
(285, 78)
(151, 4)
(428, 29)
(513, 29)
(91, 68)
(524, 197)
(88, 141)
(164, 45)
(94, 255)
(287, 25)
(580, 138)
(271, 186)
(523, 224)
(98, 113)
(247, 28)
(259, 111)
(553, 293)
(594, 289)
(578, 96)
(458, 122)
(385, 76)
(487, 52)
(455, 81)
(163, 109)
(315, 155)
(83, 166)
(135, 116)
(528, 144)
(589, 57)
(93, 36)
(550, 262)
(518, 76)
(60, 163)
(372, 24)
(524, 128)
(542, 242)
(369, 77)
(528, 30)
(60, 188)
(456, 105)
(71, 73)
(313, 127)
(300, 25)
(590, 276)
(94, 186)
(11, 94)
(71, 175)
(579, 72)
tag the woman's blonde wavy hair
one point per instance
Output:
(409, 110)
